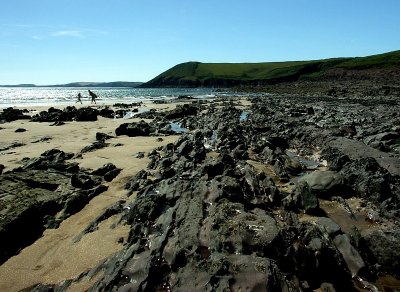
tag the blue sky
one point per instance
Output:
(61, 41)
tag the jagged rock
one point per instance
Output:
(367, 178)
(83, 181)
(181, 111)
(138, 181)
(92, 226)
(306, 199)
(109, 171)
(12, 145)
(382, 249)
(95, 146)
(54, 159)
(280, 171)
(335, 158)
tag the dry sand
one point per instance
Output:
(54, 257)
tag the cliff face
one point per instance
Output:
(195, 74)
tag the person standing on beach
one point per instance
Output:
(93, 96)
(79, 98)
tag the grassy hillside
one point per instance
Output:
(194, 74)
(387, 60)
(100, 84)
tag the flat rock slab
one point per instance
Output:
(356, 149)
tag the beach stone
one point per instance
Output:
(20, 130)
(86, 114)
(323, 182)
(351, 256)
(292, 165)
(328, 225)
(107, 113)
(141, 128)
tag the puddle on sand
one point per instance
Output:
(244, 116)
(309, 164)
(132, 113)
(177, 128)
(388, 283)
(344, 219)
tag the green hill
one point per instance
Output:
(100, 84)
(196, 74)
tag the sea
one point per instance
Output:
(52, 96)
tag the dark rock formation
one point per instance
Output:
(181, 111)
(47, 185)
(134, 129)
(95, 146)
(233, 219)
(11, 114)
(71, 113)
(86, 114)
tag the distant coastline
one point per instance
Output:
(83, 84)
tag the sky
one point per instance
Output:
(61, 41)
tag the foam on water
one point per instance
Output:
(48, 96)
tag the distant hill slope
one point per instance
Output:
(83, 84)
(101, 84)
(196, 74)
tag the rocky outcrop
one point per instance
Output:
(222, 208)
(50, 189)
(12, 114)
(70, 113)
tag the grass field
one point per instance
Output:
(203, 74)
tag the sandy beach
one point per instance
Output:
(54, 257)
